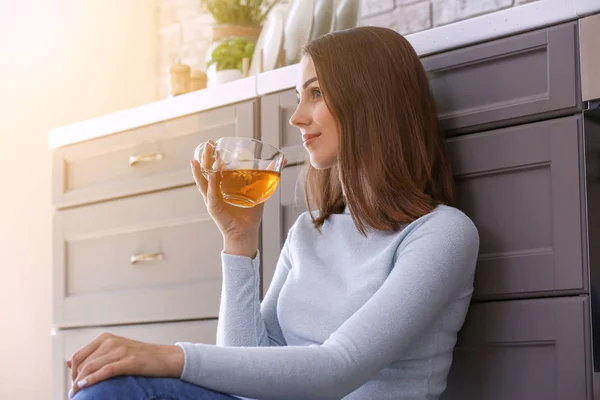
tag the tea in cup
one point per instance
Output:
(249, 170)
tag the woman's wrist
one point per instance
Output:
(245, 246)
(173, 359)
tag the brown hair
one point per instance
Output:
(392, 161)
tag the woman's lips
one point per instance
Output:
(307, 139)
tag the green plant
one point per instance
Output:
(230, 53)
(239, 12)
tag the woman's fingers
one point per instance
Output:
(207, 155)
(99, 369)
(208, 164)
(199, 178)
(80, 355)
(212, 195)
(204, 164)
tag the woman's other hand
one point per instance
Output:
(109, 355)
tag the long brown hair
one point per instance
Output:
(392, 161)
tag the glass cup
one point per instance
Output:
(249, 169)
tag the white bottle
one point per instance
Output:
(346, 14)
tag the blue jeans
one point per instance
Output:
(142, 388)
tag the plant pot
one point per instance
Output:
(219, 77)
(224, 31)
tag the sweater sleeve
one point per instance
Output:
(435, 265)
(243, 320)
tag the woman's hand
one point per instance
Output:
(108, 356)
(239, 226)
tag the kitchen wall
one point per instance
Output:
(409, 16)
(184, 30)
(61, 61)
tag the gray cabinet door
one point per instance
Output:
(281, 212)
(523, 350)
(507, 81)
(154, 257)
(287, 202)
(276, 110)
(521, 186)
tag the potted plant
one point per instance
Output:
(226, 59)
(241, 18)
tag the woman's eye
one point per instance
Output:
(316, 93)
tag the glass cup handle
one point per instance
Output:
(198, 157)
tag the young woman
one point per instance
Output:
(371, 286)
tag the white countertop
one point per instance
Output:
(486, 27)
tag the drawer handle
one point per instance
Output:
(146, 257)
(144, 157)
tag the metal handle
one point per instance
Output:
(144, 157)
(146, 257)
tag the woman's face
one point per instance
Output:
(318, 127)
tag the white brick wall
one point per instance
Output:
(409, 16)
(447, 11)
(184, 32)
(185, 28)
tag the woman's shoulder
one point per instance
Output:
(447, 222)
(443, 214)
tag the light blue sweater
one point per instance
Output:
(346, 316)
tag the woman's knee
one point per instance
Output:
(119, 388)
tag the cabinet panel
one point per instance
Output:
(523, 349)
(521, 186)
(276, 111)
(516, 79)
(144, 159)
(281, 211)
(177, 273)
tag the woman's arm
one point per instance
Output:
(243, 320)
(435, 266)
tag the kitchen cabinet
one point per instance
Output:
(134, 249)
(276, 111)
(137, 259)
(512, 80)
(523, 187)
(523, 349)
(142, 160)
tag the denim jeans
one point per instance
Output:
(142, 388)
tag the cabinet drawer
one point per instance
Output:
(507, 81)
(521, 187)
(144, 159)
(276, 111)
(67, 342)
(523, 349)
(96, 280)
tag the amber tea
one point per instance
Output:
(248, 169)
(247, 187)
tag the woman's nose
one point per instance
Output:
(300, 117)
